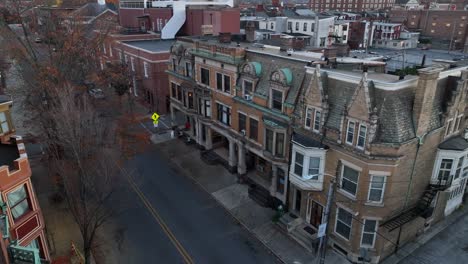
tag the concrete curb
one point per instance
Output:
(228, 211)
(421, 240)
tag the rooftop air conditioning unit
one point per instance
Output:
(248, 97)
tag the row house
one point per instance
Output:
(21, 223)
(395, 150)
(237, 104)
(350, 5)
(146, 57)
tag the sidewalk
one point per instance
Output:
(61, 228)
(223, 186)
(410, 247)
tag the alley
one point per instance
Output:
(191, 218)
(448, 247)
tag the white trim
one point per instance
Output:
(351, 165)
(140, 57)
(347, 131)
(315, 120)
(380, 173)
(308, 110)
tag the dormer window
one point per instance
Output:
(188, 69)
(247, 88)
(361, 141)
(313, 119)
(4, 127)
(276, 99)
(350, 132)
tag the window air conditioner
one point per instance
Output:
(248, 97)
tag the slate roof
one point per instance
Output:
(271, 64)
(307, 141)
(457, 143)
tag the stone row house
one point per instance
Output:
(395, 150)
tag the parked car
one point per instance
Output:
(38, 40)
(387, 58)
(96, 93)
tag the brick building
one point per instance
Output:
(396, 149)
(437, 24)
(350, 6)
(132, 14)
(289, 124)
(22, 224)
(147, 57)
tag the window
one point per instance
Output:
(298, 164)
(205, 76)
(279, 146)
(207, 108)
(305, 27)
(343, 224)
(224, 114)
(448, 129)
(272, 25)
(174, 65)
(297, 26)
(190, 100)
(4, 127)
(18, 202)
(132, 62)
(269, 140)
(248, 87)
(126, 58)
(314, 168)
(368, 233)
(349, 180)
(376, 189)
(308, 118)
(188, 69)
(223, 82)
(444, 169)
(173, 90)
(120, 57)
(253, 129)
(312, 27)
(276, 99)
(350, 132)
(179, 93)
(242, 122)
(146, 68)
(280, 181)
(362, 136)
(458, 123)
(459, 167)
(318, 115)
(289, 26)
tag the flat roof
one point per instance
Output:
(152, 45)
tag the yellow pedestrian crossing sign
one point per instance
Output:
(155, 117)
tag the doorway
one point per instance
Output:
(315, 212)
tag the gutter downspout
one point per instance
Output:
(420, 142)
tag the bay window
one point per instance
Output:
(298, 164)
(314, 168)
(18, 201)
(445, 169)
(459, 167)
(343, 224)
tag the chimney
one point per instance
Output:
(250, 31)
(424, 98)
(224, 37)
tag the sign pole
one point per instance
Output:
(323, 228)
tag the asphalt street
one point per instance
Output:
(170, 219)
(448, 247)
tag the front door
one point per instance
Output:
(314, 213)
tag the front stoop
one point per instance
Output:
(296, 229)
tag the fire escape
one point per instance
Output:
(422, 209)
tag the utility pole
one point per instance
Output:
(323, 240)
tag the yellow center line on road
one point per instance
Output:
(183, 252)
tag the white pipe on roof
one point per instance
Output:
(178, 14)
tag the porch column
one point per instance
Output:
(274, 180)
(209, 140)
(232, 153)
(173, 121)
(241, 167)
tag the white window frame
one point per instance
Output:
(351, 166)
(448, 127)
(347, 132)
(319, 120)
(223, 81)
(375, 233)
(146, 67)
(243, 87)
(282, 99)
(370, 188)
(309, 110)
(458, 122)
(132, 63)
(359, 135)
(336, 224)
